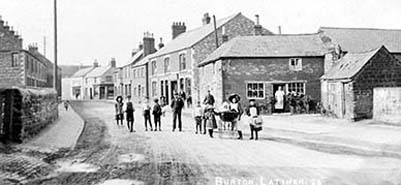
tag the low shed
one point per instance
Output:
(347, 88)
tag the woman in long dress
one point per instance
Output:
(237, 107)
(279, 95)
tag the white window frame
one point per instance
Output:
(297, 66)
(166, 68)
(255, 82)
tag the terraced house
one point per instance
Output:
(175, 66)
(20, 67)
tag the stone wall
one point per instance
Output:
(25, 112)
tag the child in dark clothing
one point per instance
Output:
(146, 114)
(157, 112)
(255, 120)
(130, 114)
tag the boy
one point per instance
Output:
(130, 114)
(157, 112)
(198, 115)
(146, 114)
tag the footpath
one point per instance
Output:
(64, 133)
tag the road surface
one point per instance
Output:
(109, 154)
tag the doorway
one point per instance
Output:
(174, 87)
(285, 103)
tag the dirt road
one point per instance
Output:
(108, 153)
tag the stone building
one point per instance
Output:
(256, 66)
(77, 83)
(347, 89)
(358, 40)
(23, 68)
(125, 75)
(175, 66)
(140, 85)
(99, 83)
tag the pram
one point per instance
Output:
(227, 119)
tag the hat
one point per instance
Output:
(119, 98)
(251, 100)
(232, 96)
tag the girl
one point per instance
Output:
(119, 110)
(236, 107)
(255, 121)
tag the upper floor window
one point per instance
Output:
(109, 78)
(166, 65)
(14, 59)
(134, 71)
(295, 64)
(154, 67)
(182, 61)
(95, 79)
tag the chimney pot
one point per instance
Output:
(161, 45)
(279, 30)
(257, 19)
(206, 19)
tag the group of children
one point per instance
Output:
(129, 110)
(205, 117)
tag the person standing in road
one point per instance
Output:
(209, 99)
(146, 114)
(66, 104)
(255, 121)
(129, 110)
(119, 110)
(198, 116)
(176, 105)
(157, 113)
(236, 107)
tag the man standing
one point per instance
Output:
(130, 114)
(157, 112)
(209, 99)
(176, 105)
(146, 114)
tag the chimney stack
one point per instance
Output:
(161, 45)
(178, 28)
(113, 62)
(33, 47)
(206, 19)
(148, 44)
(258, 27)
(95, 64)
(134, 51)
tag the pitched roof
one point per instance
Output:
(348, 66)
(269, 46)
(364, 39)
(98, 71)
(143, 61)
(191, 37)
(82, 72)
(135, 58)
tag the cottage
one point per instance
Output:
(98, 83)
(77, 83)
(347, 89)
(175, 66)
(255, 67)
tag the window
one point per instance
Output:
(135, 94)
(14, 59)
(166, 65)
(95, 79)
(255, 90)
(295, 64)
(86, 80)
(154, 85)
(297, 87)
(182, 61)
(154, 67)
(109, 78)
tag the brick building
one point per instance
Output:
(255, 66)
(347, 89)
(99, 83)
(175, 66)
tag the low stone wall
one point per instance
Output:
(25, 112)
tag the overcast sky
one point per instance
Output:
(102, 29)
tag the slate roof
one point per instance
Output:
(82, 72)
(364, 39)
(348, 66)
(98, 71)
(135, 58)
(143, 61)
(191, 37)
(269, 46)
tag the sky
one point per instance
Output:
(90, 30)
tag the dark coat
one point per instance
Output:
(177, 104)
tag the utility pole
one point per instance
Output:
(55, 71)
(44, 46)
